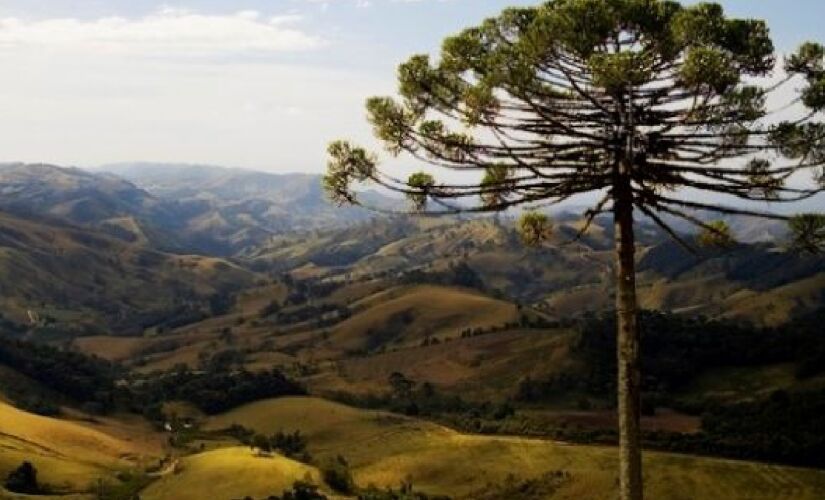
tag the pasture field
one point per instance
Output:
(69, 456)
(480, 368)
(385, 449)
(423, 311)
(227, 473)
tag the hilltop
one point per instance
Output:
(72, 455)
(184, 209)
(55, 276)
(384, 449)
(202, 290)
(566, 277)
(233, 209)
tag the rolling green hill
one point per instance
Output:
(384, 449)
(56, 278)
(232, 472)
(254, 215)
(450, 321)
(185, 209)
(567, 276)
(70, 456)
(225, 210)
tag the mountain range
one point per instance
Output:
(177, 293)
(126, 225)
(181, 208)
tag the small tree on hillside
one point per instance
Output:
(645, 102)
(23, 480)
(261, 443)
(401, 386)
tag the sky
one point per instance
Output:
(248, 83)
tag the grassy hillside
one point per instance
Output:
(253, 216)
(56, 276)
(226, 210)
(485, 367)
(408, 315)
(71, 194)
(565, 277)
(779, 305)
(400, 245)
(379, 319)
(69, 456)
(227, 473)
(384, 449)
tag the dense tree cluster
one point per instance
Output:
(785, 427)
(91, 382)
(214, 391)
(166, 319)
(403, 493)
(337, 475)
(10, 327)
(312, 312)
(677, 348)
(84, 379)
(301, 490)
(23, 480)
(289, 444)
(457, 274)
(409, 397)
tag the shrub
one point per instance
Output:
(23, 480)
(337, 475)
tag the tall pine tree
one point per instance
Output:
(644, 102)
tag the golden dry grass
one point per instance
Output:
(576, 300)
(68, 455)
(7, 495)
(111, 348)
(385, 449)
(481, 367)
(251, 301)
(434, 310)
(776, 306)
(227, 473)
(704, 293)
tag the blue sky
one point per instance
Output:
(252, 83)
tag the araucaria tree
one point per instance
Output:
(645, 102)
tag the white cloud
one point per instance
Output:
(168, 31)
(363, 3)
(94, 109)
(235, 88)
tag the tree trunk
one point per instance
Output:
(629, 376)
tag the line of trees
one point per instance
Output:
(211, 391)
(86, 380)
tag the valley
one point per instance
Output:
(412, 250)
(435, 354)
(387, 450)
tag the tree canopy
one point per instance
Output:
(640, 101)
(543, 102)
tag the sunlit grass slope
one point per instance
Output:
(67, 455)
(422, 311)
(384, 449)
(228, 473)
